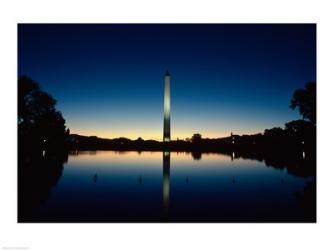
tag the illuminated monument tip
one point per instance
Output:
(166, 127)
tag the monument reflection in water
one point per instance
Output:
(166, 180)
(111, 186)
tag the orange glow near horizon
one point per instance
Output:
(149, 129)
(156, 137)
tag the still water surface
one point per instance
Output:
(110, 186)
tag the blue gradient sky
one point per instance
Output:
(108, 79)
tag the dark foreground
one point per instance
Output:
(122, 186)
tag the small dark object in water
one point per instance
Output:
(95, 178)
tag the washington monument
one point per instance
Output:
(166, 127)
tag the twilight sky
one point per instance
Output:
(108, 79)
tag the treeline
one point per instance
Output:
(293, 147)
(299, 135)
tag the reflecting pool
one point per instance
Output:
(111, 186)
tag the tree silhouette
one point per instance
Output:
(274, 132)
(40, 125)
(305, 100)
(299, 127)
(196, 138)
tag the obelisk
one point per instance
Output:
(166, 127)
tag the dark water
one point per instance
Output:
(110, 186)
